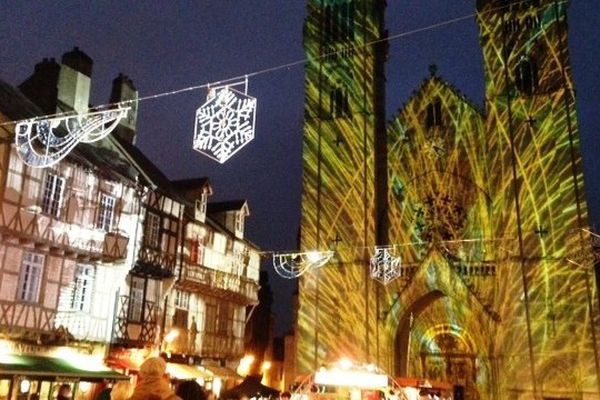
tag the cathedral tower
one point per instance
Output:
(539, 207)
(485, 207)
(344, 173)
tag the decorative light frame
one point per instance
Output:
(292, 265)
(225, 123)
(385, 265)
(40, 145)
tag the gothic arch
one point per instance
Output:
(558, 381)
(403, 330)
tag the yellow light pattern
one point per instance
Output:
(486, 207)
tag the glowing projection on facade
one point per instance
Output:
(225, 123)
(497, 293)
(385, 266)
(41, 143)
(292, 265)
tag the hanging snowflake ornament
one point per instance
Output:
(385, 266)
(225, 123)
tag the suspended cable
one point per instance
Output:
(238, 78)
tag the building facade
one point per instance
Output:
(104, 257)
(485, 207)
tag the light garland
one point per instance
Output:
(40, 146)
(292, 265)
(225, 123)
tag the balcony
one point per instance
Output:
(61, 237)
(156, 262)
(136, 330)
(204, 344)
(219, 284)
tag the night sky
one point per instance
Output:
(168, 45)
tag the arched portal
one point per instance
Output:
(434, 346)
(404, 329)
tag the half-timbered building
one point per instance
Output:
(101, 254)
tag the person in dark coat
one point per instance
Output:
(64, 392)
(190, 390)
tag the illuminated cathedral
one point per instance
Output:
(484, 207)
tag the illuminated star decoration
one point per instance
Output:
(385, 267)
(292, 265)
(225, 123)
(44, 142)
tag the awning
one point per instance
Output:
(222, 372)
(51, 368)
(424, 383)
(184, 371)
(124, 364)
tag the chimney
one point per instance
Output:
(123, 90)
(74, 81)
(41, 86)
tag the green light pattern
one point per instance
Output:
(463, 311)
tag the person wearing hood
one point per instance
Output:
(153, 381)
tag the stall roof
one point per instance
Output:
(222, 372)
(185, 372)
(48, 367)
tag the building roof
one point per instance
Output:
(150, 172)
(191, 183)
(15, 105)
(436, 79)
(224, 206)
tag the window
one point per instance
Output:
(30, 277)
(53, 195)
(106, 210)
(338, 103)
(82, 293)
(200, 207)
(526, 79)
(225, 319)
(15, 173)
(182, 305)
(338, 24)
(197, 251)
(136, 299)
(210, 323)
(434, 113)
(152, 230)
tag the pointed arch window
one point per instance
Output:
(338, 24)
(434, 113)
(526, 78)
(339, 106)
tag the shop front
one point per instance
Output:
(33, 377)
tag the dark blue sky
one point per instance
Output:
(168, 45)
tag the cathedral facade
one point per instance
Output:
(484, 207)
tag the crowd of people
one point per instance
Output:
(154, 384)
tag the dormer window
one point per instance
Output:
(239, 223)
(200, 207)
